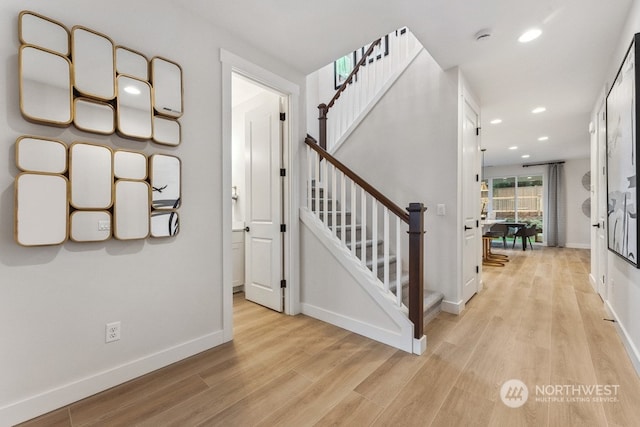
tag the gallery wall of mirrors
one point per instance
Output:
(89, 193)
(82, 77)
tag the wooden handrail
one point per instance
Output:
(397, 210)
(353, 73)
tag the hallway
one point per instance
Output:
(537, 320)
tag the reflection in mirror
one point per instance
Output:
(41, 209)
(164, 223)
(91, 176)
(41, 155)
(129, 165)
(131, 210)
(165, 181)
(43, 32)
(45, 86)
(167, 87)
(94, 68)
(166, 131)
(134, 108)
(94, 116)
(132, 63)
(90, 226)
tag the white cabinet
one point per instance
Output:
(237, 249)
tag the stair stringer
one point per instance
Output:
(356, 301)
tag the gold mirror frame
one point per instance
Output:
(168, 87)
(135, 111)
(54, 40)
(35, 154)
(41, 209)
(90, 226)
(91, 176)
(165, 223)
(94, 116)
(132, 210)
(94, 67)
(132, 63)
(166, 131)
(165, 175)
(44, 99)
(129, 165)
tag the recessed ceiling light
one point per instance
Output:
(132, 90)
(528, 177)
(543, 138)
(525, 156)
(530, 35)
(538, 110)
(513, 148)
(496, 121)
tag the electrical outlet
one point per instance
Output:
(112, 332)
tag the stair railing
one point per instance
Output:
(353, 199)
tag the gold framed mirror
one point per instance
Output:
(94, 116)
(46, 95)
(166, 77)
(166, 131)
(132, 63)
(165, 177)
(129, 165)
(41, 209)
(91, 176)
(94, 70)
(134, 108)
(38, 30)
(34, 154)
(165, 223)
(90, 226)
(132, 210)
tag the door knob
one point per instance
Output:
(467, 228)
(247, 229)
(596, 225)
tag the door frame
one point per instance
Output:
(232, 63)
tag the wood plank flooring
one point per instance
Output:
(537, 320)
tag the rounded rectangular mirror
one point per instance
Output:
(94, 116)
(164, 223)
(90, 226)
(41, 155)
(45, 87)
(129, 165)
(134, 108)
(94, 71)
(166, 77)
(131, 210)
(43, 32)
(132, 63)
(91, 176)
(165, 181)
(41, 209)
(166, 131)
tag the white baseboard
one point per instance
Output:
(632, 350)
(50, 400)
(452, 307)
(593, 282)
(384, 336)
(578, 245)
(420, 345)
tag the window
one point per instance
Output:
(515, 199)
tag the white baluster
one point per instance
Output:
(363, 223)
(309, 177)
(343, 203)
(354, 238)
(399, 289)
(374, 237)
(317, 185)
(325, 193)
(386, 248)
(334, 197)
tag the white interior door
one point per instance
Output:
(470, 202)
(601, 206)
(263, 210)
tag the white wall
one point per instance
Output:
(408, 148)
(578, 225)
(55, 301)
(623, 278)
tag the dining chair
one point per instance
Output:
(525, 234)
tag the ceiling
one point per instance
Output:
(563, 70)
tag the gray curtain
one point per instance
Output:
(556, 208)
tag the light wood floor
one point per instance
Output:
(536, 320)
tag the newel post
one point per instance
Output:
(322, 118)
(416, 267)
